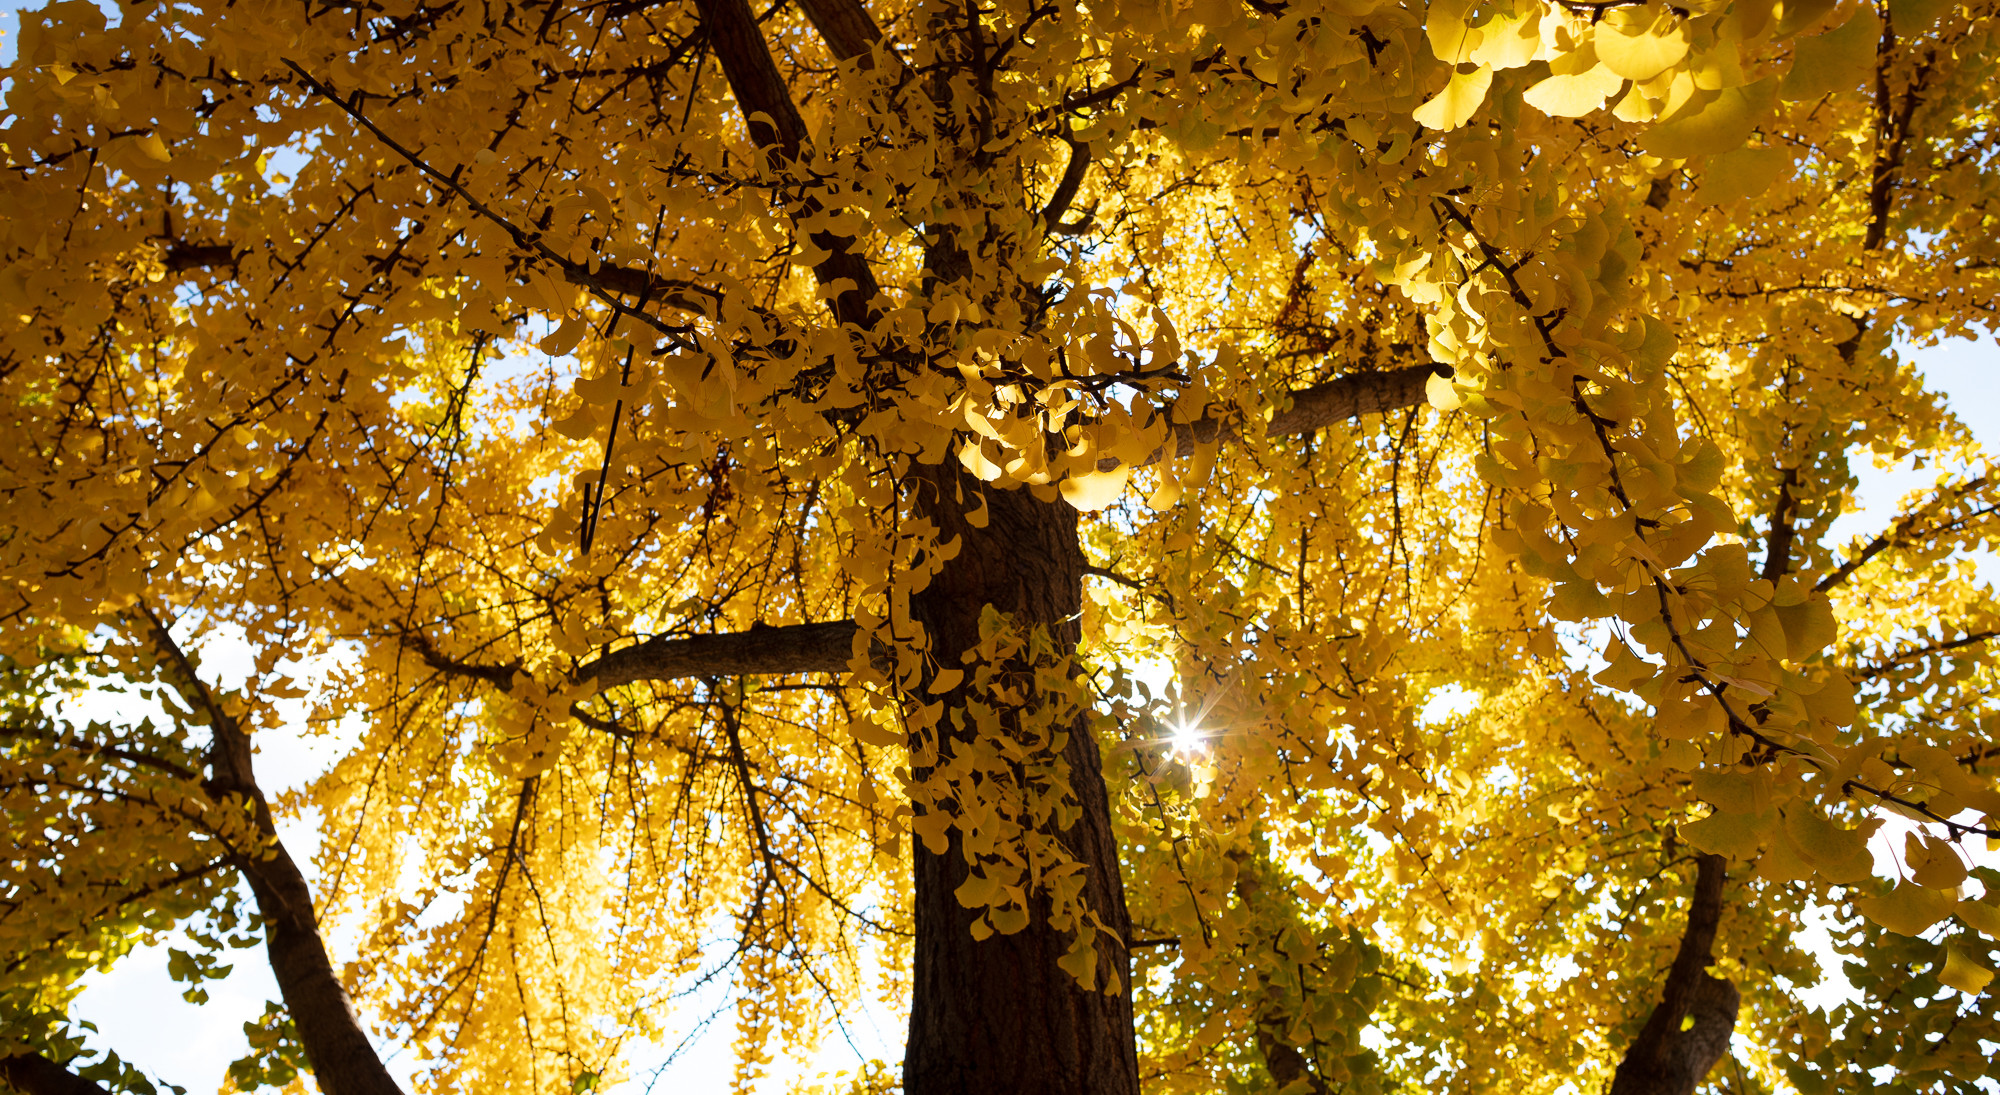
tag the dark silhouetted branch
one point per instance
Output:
(34, 1074)
(1689, 1029)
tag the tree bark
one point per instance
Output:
(34, 1074)
(998, 1016)
(1688, 1032)
(343, 1059)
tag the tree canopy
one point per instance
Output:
(1285, 545)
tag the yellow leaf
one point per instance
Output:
(1081, 962)
(1644, 51)
(1578, 601)
(1444, 24)
(946, 680)
(1835, 61)
(1907, 909)
(1743, 173)
(1809, 627)
(1096, 490)
(1836, 854)
(1964, 973)
(1460, 98)
(1914, 17)
(154, 148)
(1719, 125)
(974, 457)
(1574, 96)
(1439, 391)
(1797, 15)
(1941, 868)
(564, 338)
(1735, 836)
(1980, 917)
(1509, 40)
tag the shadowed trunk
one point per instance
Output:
(34, 1074)
(1689, 1030)
(999, 1016)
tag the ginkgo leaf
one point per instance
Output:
(1963, 972)
(1450, 108)
(1574, 96)
(1743, 173)
(1980, 917)
(1718, 125)
(1452, 40)
(1835, 853)
(1509, 39)
(1441, 393)
(1835, 61)
(1096, 490)
(972, 454)
(1728, 834)
(1642, 50)
(1907, 909)
(154, 148)
(1915, 17)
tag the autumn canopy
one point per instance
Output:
(1183, 545)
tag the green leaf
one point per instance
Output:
(1835, 61)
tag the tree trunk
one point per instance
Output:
(344, 1061)
(998, 1016)
(34, 1074)
(1689, 1030)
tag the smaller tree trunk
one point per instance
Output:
(1689, 1030)
(343, 1059)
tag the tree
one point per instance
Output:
(714, 461)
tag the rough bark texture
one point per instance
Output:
(343, 1059)
(1666, 1059)
(34, 1074)
(998, 1016)
(794, 648)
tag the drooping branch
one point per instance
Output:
(343, 1059)
(34, 1074)
(1689, 1030)
(1901, 533)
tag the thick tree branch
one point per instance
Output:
(776, 127)
(1689, 1030)
(846, 26)
(1784, 530)
(34, 1074)
(795, 648)
(181, 257)
(344, 1061)
(1312, 408)
(1904, 657)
